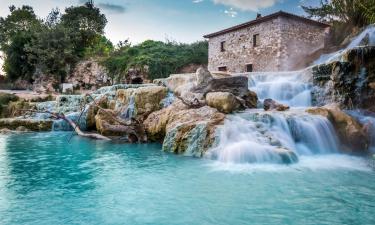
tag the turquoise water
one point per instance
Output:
(44, 180)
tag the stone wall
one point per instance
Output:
(283, 42)
(299, 40)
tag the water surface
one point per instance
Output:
(44, 180)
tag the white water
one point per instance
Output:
(367, 37)
(256, 136)
(291, 88)
(129, 111)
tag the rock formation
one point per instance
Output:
(348, 82)
(184, 130)
(89, 75)
(350, 132)
(269, 105)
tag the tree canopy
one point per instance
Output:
(344, 15)
(157, 59)
(54, 45)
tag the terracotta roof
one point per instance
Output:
(266, 18)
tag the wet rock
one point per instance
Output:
(30, 124)
(270, 104)
(22, 129)
(225, 102)
(104, 119)
(93, 109)
(287, 156)
(6, 131)
(110, 125)
(350, 132)
(146, 99)
(349, 82)
(185, 131)
(251, 99)
(156, 122)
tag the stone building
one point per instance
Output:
(277, 42)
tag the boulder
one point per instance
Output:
(110, 125)
(145, 99)
(104, 119)
(29, 124)
(93, 109)
(156, 122)
(251, 99)
(270, 104)
(350, 132)
(203, 76)
(237, 85)
(225, 102)
(287, 156)
(178, 83)
(185, 131)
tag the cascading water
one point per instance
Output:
(368, 121)
(256, 136)
(273, 137)
(366, 37)
(285, 87)
(128, 112)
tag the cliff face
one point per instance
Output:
(349, 82)
(89, 75)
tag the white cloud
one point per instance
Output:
(247, 5)
(230, 12)
(197, 1)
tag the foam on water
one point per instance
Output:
(306, 163)
(366, 37)
(290, 88)
(256, 136)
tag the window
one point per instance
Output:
(223, 68)
(249, 68)
(222, 46)
(256, 40)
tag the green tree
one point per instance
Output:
(345, 16)
(155, 58)
(84, 24)
(17, 30)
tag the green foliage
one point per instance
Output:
(53, 52)
(101, 47)
(85, 24)
(52, 47)
(157, 59)
(17, 31)
(344, 15)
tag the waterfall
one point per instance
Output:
(366, 37)
(129, 110)
(368, 121)
(168, 100)
(265, 137)
(286, 87)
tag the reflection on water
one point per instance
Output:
(44, 180)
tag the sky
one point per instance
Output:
(178, 20)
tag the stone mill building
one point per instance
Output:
(277, 42)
